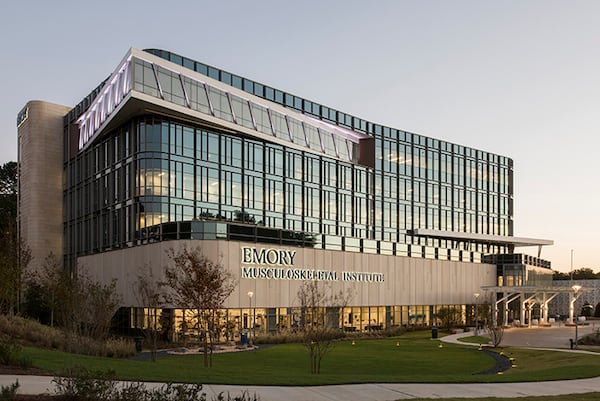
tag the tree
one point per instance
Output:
(8, 178)
(149, 293)
(584, 273)
(492, 325)
(45, 284)
(449, 316)
(557, 275)
(85, 307)
(319, 323)
(8, 195)
(14, 259)
(77, 303)
(14, 253)
(201, 285)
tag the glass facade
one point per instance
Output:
(155, 170)
(269, 321)
(290, 178)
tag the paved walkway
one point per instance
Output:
(547, 338)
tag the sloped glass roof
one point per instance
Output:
(144, 73)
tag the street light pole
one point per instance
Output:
(476, 295)
(250, 295)
(571, 265)
(576, 326)
(576, 289)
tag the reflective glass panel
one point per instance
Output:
(280, 125)
(296, 131)
(220, 104)
(261, 117)
(197, 95)
(241, 110)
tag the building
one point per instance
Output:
(588, 300)
(170, 152)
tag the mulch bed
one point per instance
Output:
(503, 363)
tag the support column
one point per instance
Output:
(495, 315)
(571, 307)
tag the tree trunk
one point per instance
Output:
(206, 349)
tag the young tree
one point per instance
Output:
(494, 326)
(320, 309)
(46, 284)
(202, 285)
(100, 305)
(449, 316)
(77, 303)
(149, 293)
(86, 307)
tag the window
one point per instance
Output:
(241, 111)
(220, 104)
(261, 117)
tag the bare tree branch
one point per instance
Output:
(320, 319)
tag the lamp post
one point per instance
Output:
(476, 295)
(576, 289)
(250, 295)
(571, 265)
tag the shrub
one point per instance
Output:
(590, 339)
(283, 338)
(10, 353)
(245, 396)
(296, 337)
(9, 350)
(38, 335)
(81, 384)
(120, 348)
(7, 393)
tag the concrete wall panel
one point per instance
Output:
(408, 281)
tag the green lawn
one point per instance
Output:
(410, 358)
(475, 340)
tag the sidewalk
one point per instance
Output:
(541, 338)
(362, 392)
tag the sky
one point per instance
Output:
(520, 78)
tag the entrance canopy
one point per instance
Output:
(528, 297)
(483, 238)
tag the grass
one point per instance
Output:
(475, 340)
(409, 358)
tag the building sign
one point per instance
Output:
(278, 264)
(22, 116)
(254, 256)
